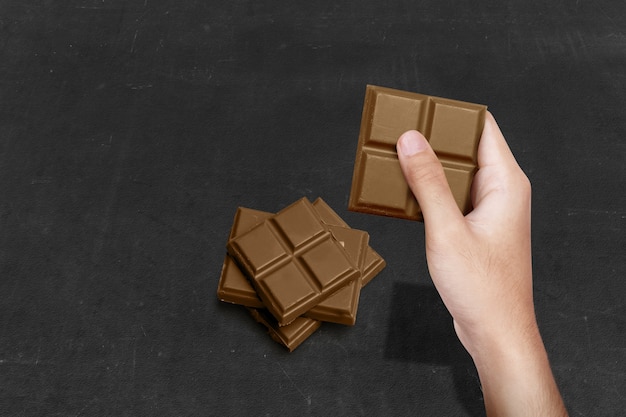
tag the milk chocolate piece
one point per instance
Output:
(293, 261)
(453, 129)
(292, 335)
(341, 307)
(373, 264)
(234, 287)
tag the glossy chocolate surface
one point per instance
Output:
(341, 307)
(293, 261)
(233, 286)
(453, 129)
(292, 335)
(373, 264)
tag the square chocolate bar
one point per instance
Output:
(453, 129)
(341, 307)
(293, 261)
(292, 335)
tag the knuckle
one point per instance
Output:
(426, 171)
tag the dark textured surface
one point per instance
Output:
(130, 131)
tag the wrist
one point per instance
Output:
(508, 350)
(487, 340)
(515, 374)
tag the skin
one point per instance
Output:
(481, 265)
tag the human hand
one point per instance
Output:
(481, 265)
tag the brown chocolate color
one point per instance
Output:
(293, 261)
(453, 129)
(292, 335)
(234, 287)
(373, 264)
(341, 307)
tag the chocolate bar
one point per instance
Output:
(453, 129)
(293, 261)
(341, 307)
(291, 335)
(373, 264)
(233, 286)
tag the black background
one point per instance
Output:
(130, 132)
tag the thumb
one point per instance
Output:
(425, 176)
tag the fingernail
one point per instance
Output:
(411, 143)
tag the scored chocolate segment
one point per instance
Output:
(293, 261)
(292, 335)
(341, 307)
(233, 286)
(373, 263)
(327, 214)
(453, 129)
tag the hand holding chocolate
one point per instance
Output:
(453, 129)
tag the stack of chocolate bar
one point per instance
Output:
(297, 268)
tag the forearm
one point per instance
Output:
(516, 377)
